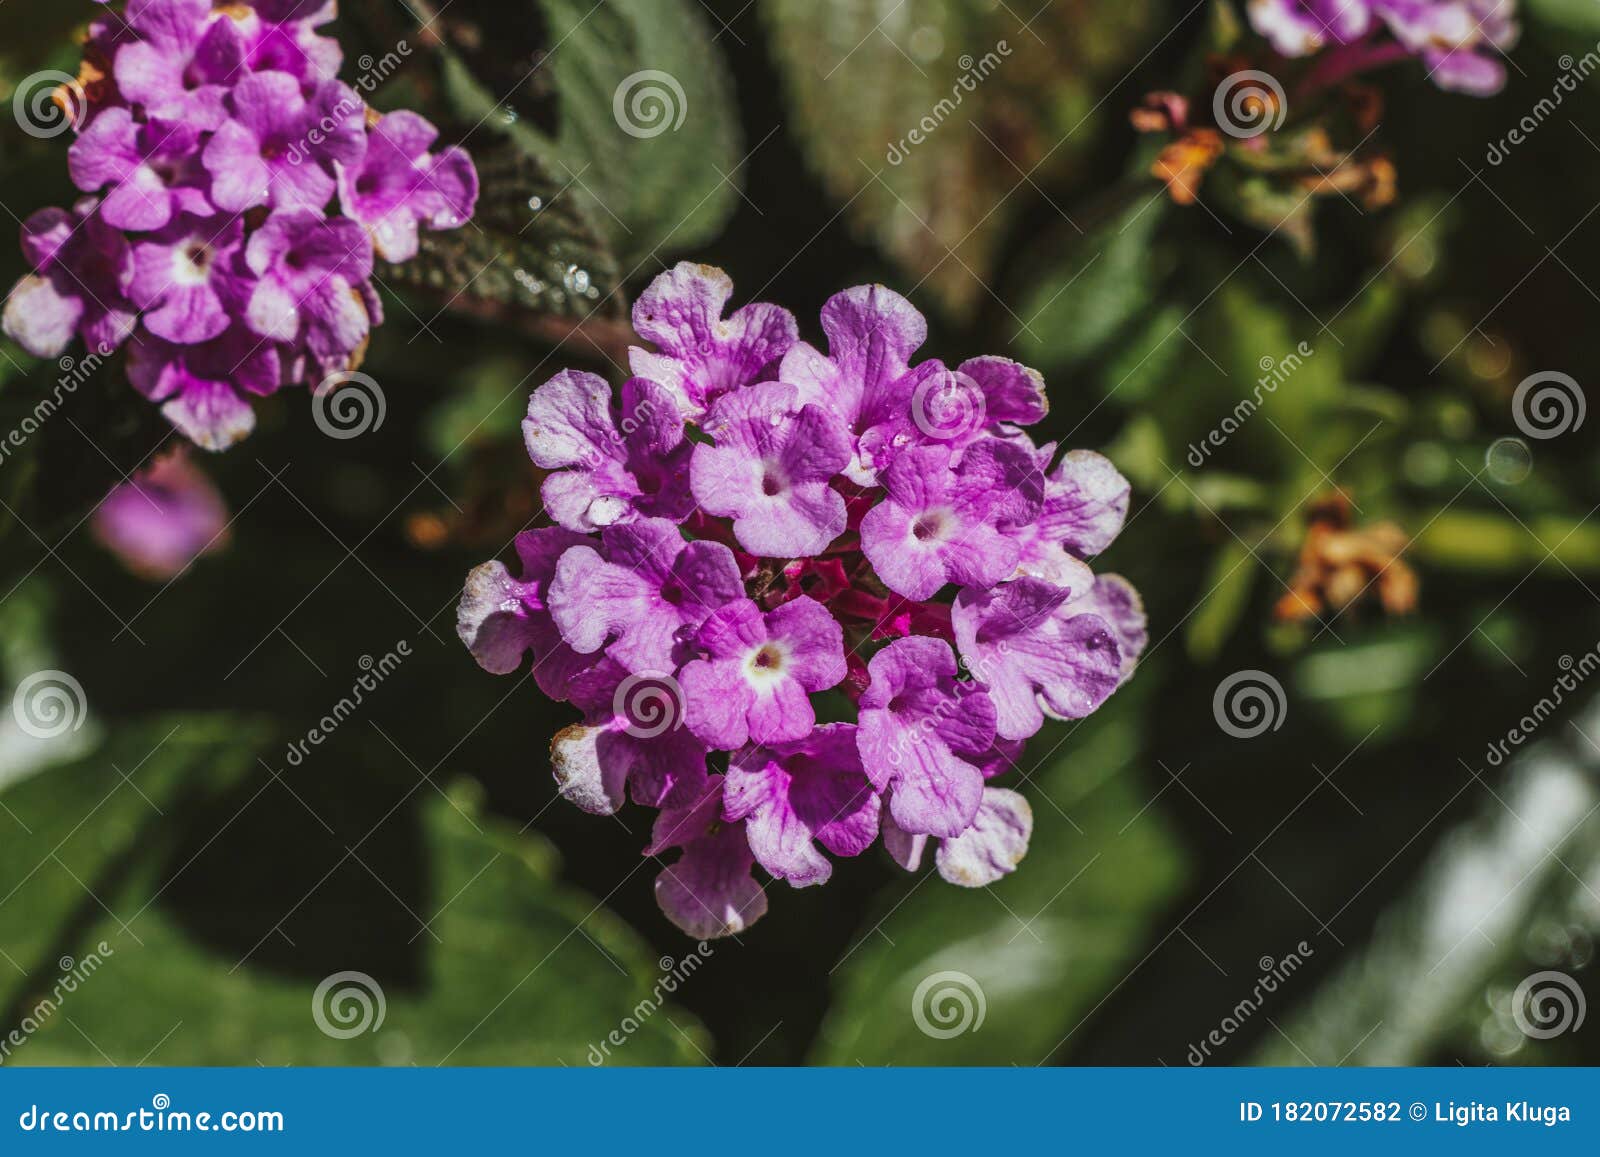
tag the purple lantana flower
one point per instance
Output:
(759, 670)
(80, 266)
(188, 278)
(1036, 653)
(310, 269)
(941, 522)
(699, 355)
(801, 576)
(794, 796)
(183, 61)
(235, 218)
(709, 891)
(770, 469)
(921, 733)
(277, 148)
(147, 170)
(163, 518)
(399, 185)
(609, 467)
(644, 595)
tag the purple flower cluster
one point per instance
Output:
(804, 598)
(1458, 40)
(236, 194)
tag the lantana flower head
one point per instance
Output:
(235, 196)
(805, 601)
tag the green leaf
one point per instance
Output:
(1076, 308)
(200, 958)
(1581, 16)
(1037, 950)
(939, 122)
(645, 133)
(1228, 584)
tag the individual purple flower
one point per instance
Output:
(201, 387)
(753, 684)
(919, 734)
(399, 184)
(1085, 505)
(940, 522)
(278, 148)
(865, 380)
(1036, 653)
(709, 891)
(310, 269)
(180, 67)
(608, 467)
(770, 468)
(80, 265)
(189, 279)
(794, 796)
(634, 745)
(641, 598)
(503, 617)
(1301, 27)
(986, 852)
(149, 167)
(700, 355)
(282, 40)
(1458, 40)
(162, 519)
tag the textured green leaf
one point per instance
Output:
(1004, 110)
(1038, 949)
